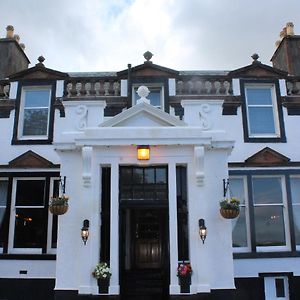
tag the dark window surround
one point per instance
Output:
(52, 84)
(247, 139)
(248, 174)
(160, 81)
(10, 176)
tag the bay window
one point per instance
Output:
(269, 219)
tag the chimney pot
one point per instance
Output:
(10, 32)
(290, 29)
(17, 38)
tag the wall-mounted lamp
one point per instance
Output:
(143, 152)
(85, 231)
(202, 230)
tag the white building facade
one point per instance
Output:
(79, 133)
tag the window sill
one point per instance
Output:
(28, 256)
(31, 142)
(265, 139)
(266, 254)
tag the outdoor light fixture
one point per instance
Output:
(85, 231)
(143, 152)
(202, 230)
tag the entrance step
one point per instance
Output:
(144, 285)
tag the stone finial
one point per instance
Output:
(10, 32)
(148, 55)
(143, 93)
(41, 59)
(290, 29)
(255, 58)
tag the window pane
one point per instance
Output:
(295, 191)
(126, 175)
(29, 228)
(236, 186)
(269, 226)
(161, 175)
(259, 96)
(3, 192)
(138, 175)
(30, 193)
(35, 121)
(149, 175)
(267, 190)
(261, 120)
(239, 231)
(279, 283)
(154, 97)
(37, 98)
(3, 199)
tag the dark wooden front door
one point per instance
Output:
(147, 239)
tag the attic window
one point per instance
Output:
(156, 95)
(34, 112)
(262, 112)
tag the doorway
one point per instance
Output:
(144, 234)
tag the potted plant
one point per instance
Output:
(59, 205)
(184, 272)
(102, 274)
(230, 208)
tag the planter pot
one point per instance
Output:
(184, 282)
(58, 209)
(229, 213)
(103, 285)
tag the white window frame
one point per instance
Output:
(270, 288)
(1, 206)
(284, 205)
(20, 134)
(246, 205)
(159, 86)
(273, 105)
(11, 248)
(296, 204)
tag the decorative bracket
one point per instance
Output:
(87, 165)
(199, 165)
(205, 119)
(82, 111)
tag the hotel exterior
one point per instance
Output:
(208, 136)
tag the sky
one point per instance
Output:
(106, 35)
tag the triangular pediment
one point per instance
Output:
(150, 69)
(38, 72)
(30, 159)
(143, 115)
(257, 69)
(267, 157)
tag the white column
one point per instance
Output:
(114, 230)
(174, 287)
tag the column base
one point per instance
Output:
(73, 295)
(213, 295)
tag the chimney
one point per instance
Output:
(12, 56)
(287, 55)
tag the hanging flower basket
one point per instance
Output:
(230, 208)
(59, 205)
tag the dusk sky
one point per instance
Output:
(106, 35)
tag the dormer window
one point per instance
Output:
(34, 114)
(261, 112)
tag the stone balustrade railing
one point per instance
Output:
(4, 89)
(293, 87)
(203, 87)
(92, 87)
